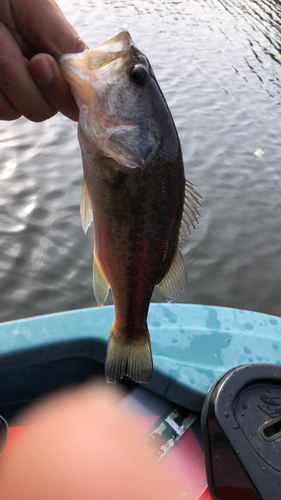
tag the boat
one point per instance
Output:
(193, 346)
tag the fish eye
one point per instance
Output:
(139, 74)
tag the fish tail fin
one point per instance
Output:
(128, 357)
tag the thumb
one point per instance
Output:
(53, 85)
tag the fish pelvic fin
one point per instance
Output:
(100, 283)
(190, 212)
(175, 280)
(128, 357)
(86, 210)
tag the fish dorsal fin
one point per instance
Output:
(190, 210)
(86, 210)
(100, 283)
(174, 282)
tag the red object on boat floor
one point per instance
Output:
(15, 432)
(171, 431)
(189, 467)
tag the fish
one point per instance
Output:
(134, 191)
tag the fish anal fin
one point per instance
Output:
(190, 212)
(175, 281)
(128, 357)
(100, 283)
(86, 210)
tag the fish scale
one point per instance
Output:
(134, 190)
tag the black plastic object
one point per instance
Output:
(241, 427)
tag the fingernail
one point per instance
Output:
(42, 71)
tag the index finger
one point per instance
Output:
(43, 25)
(17, 84)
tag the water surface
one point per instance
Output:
(218, 64)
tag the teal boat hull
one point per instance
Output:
(192, 346)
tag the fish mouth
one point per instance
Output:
(118, 43)
(77, 66)
(86, 70)
(90, 75)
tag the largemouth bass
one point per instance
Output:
(134, 190)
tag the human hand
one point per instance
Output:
(31, 83)
(81, 445)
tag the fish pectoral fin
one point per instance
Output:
(128, 357)
(86, 210)
(100, 283)
(190, 212)
(175, 281)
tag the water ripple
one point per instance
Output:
(218, 64)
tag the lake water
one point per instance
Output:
(218, 64)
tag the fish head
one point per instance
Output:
(121, 105)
